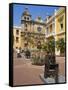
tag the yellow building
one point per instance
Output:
(17, 37)
(60, 25)
(33, 33)
(55, 26)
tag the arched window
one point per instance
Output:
(17, 32)
(24, 18)
(17, 39)
(27, 18)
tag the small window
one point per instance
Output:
(25, 29)
(25, 25)
(61, 22)
(61, 25)
(39, 45)
(25, 44)
(17, 32)
(16, 47)
(47, 30)
(27, 18)
(21, 33)
(17, 39)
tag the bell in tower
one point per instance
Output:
(26, 15)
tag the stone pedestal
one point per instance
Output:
(51, 80)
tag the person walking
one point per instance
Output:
(18, 53)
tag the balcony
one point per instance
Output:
(50, 34)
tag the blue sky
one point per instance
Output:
(35, 11)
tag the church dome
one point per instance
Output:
(39, 19)
(26, 12)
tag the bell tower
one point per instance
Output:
(26, 28)
(25, 20)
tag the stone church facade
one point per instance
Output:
(31, 34)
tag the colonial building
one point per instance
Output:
(60, 28)
(33, 33)
(55, 26)
(17, 37)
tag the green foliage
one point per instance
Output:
(36, 60)
(60, 44)
(49, 46)
(45, 47)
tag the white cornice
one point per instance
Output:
(17, 27)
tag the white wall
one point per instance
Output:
(4, 44)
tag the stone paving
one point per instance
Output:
(27, 74)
